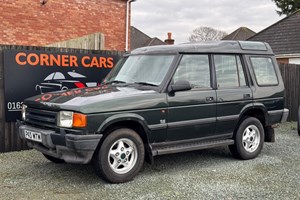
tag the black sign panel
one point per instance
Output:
(29, 73)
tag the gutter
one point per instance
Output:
(127, 23)
(293, 55)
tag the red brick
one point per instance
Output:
(26, 22)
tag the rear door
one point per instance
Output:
(192, 114)
(233, 91)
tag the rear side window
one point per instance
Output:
(229, 71)
(264, 71)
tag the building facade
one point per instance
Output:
(44, 22)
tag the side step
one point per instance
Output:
(191, 146)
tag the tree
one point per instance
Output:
(204, 33)
(287, 7)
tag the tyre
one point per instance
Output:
(64, 88)
(120, 156)
(249, 139)
(53, 159)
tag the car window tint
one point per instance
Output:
(195, 69)
(264, 70)
(58, 75)
(229, 71)
(49, 77)
(76, 75)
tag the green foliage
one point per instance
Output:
(287, 7)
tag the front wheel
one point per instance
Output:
(120, 157)
(249, 139)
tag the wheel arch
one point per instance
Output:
(132, 121)
(256, 110)
(260, 112)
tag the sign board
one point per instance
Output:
(29, 73)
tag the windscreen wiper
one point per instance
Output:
(145, 83)
(115, 81)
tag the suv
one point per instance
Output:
(161, 100)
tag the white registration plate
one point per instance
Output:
(33, 136)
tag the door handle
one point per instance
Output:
(209, 99)
(247, 96)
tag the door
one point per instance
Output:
(192, 113)
(233, 92)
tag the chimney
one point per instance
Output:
(169, 41)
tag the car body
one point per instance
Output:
(160, 100)
(58, 81)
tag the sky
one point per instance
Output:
(157, 17)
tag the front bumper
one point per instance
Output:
(68, 147)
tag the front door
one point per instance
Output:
(192, 114)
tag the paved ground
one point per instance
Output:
(205, 174)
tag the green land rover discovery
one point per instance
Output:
(161, 100)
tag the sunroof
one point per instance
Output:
(246, 45)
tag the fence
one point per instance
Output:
(9, 139)
(291, 77)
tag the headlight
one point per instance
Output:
(65, 119)
(23, 111)
(70, 119)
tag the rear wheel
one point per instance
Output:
(53, 159)
(120, 156)
(249, 139)
(64, 88)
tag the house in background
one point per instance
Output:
(140, 39)
(284, 38)
(242, 33)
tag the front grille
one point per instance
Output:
(41, 118)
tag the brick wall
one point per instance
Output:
(27, 22)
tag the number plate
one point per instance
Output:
(33, 136)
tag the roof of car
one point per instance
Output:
(245, 47)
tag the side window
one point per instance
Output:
(58, 76)
(229, 71)
(195, 69)
(49, 77)
(264, 70)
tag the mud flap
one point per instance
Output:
(269, 134)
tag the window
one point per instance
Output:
(246, 45)
(229, 71)
(264, 71)
(195, 69)
(49, 77)
(58, 76)
(142, 68)
(76, 75)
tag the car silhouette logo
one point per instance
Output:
(58, 81)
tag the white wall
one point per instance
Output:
(294, 61)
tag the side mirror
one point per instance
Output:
(181, 85)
